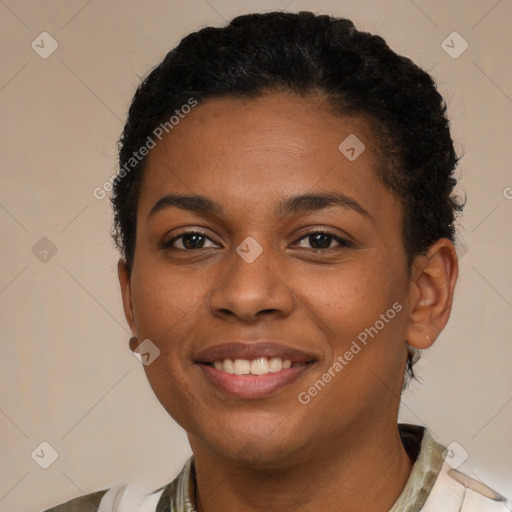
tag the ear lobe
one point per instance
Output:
(124, 276)
(133, 343)
(433, 279)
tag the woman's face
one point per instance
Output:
(285, 248)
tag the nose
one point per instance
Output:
(251, 291)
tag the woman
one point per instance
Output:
(285, 216)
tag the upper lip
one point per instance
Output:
(252, 350)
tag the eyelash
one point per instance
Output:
(341, 241)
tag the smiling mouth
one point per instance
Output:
(253, 378)
(259, 366)
(253, 369)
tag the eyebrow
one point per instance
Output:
(298, 204)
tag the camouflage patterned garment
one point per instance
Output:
(433, 486)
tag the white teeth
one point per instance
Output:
(228, 364)
(242, 367)
(260, 366)
(275, 364)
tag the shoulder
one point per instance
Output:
(120, 498)
(132, 496)
(86, 503)
(455, 491)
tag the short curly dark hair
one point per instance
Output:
(304, 53)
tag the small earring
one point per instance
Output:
(133, 343)
(428, 337)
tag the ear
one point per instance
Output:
(433, 278)
(126, 291)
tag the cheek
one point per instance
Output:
(165, 305)
(173, 389)
(361, 311)
(352, 298)
(166, 309)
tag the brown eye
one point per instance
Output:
(322, 240)
(188, 241)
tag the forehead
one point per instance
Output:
(241, 151)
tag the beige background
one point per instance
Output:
(68, 377)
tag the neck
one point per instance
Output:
(367, 473)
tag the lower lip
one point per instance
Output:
(253, 386)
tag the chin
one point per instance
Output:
(251, 448)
